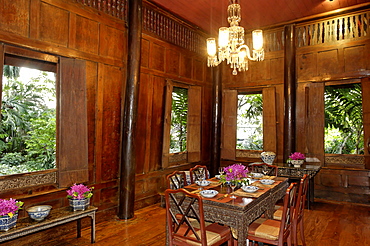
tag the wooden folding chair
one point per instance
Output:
(276, 232)
(299, 210)
(196, 171)
(185, 221)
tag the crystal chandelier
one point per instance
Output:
(231, 43)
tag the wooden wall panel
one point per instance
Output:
(111, 86)
(172, 62)
(327, 62)
(186, 66)
(143, 129)
(277, 68)
(156, 137)
(145, 53)
(157, 57)
(112, 42)
(54, 31)
(260, 70)
(198, 73)
(355, 58)
(306, 66)
(14, 16)
(87, 35)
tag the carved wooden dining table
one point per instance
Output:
(240, 212)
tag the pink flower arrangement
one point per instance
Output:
(9, 207)
(235, 173)
(79, 191)
(297, 156)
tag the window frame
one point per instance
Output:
(193, 126)
(72, 166)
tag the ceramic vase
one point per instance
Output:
(6, 222)
(79, 204)
(268, 157)
(297, 163)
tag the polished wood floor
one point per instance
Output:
(327, 224)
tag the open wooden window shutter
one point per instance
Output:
(269, 119)
(365, 82)
(194, 123)
(167, 125)
(228, 124)
(72, 123)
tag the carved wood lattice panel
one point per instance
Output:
(334, 30)
(115, 8)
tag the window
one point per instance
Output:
(344, 132)
(250, 122)
(71, 156)
(28, 125)
(262, 119)
(179, 120)
(181, 134)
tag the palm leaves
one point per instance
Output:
(179, 118)
(343, 112)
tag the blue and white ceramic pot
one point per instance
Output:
(79, 204)
(6, 222)
(268, 157)
(297, 163)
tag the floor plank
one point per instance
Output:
(328, 224)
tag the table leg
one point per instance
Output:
(78, 228)
(93, 228)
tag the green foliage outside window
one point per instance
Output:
(27, 126)
(179, 120)
(250, 122)
(343, 120)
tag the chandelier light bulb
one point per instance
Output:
(223, 37)
(211, 46)
(257, 40)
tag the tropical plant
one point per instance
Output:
(179, 119)
(343, 119)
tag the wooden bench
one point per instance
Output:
(56, 217)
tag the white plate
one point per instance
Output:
(203, 183)
(257, 175)
(250, 188)
(218, 176)
(267, 181)
(208, 193)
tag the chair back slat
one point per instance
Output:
(198, 171)
(302, 194)
(176, 180)
(290, 200)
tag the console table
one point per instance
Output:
(56, 217)
(296, 173)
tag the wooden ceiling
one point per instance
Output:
(209, 15)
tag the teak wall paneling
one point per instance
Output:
(64, 28)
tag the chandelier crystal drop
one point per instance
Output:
(231, 45)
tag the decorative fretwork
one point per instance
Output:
(172, 30)
(248, 154)
(115, 8)
(28, 181)
(345, 160)
(334, 30)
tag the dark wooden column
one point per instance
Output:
(289, 90)
(127, 174)
(216, 120)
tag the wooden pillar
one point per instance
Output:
(128, 168)
(289, 91)
(216, 120)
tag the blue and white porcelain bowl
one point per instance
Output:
(256, 175)
(209, 193)
(267, 181)
(203, 182)
(39, 213)
(268, 157)
(250, 188)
